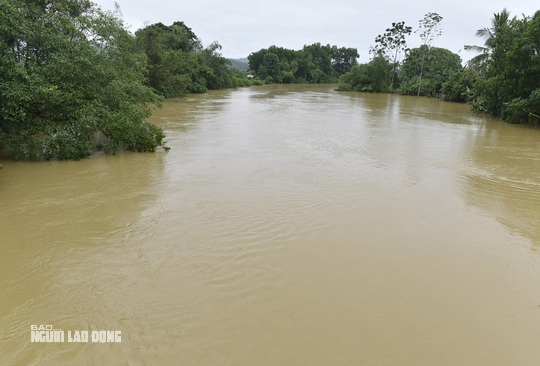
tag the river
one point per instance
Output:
(287, 225)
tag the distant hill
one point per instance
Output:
(240, 63)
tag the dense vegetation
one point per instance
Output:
(178, 63)
(68, 72)
(510, 86)
(503, 80)
(313, 64)
(434, 65)
(374, 76)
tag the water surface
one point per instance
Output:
(287, 225)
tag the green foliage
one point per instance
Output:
(520, 110)
(143, 137)
(313, 64)
(67, 71)
(271, 66)
(459, 87)
(371, 77)
(432, 64)
(240, 78)
(343, 59)
(391, 44)
(512, 74)
(178, 63)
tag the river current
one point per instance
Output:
(287, 225)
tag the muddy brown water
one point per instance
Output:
(287, 225)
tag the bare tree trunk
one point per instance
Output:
(421, 74)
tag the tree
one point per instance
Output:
(321, 56)
(343, 59)
(255, 60)
(429, 29)
(167, 51)
(68, 71)
(511, 86)
(271, 65)
(435, 64)
(391, 44)
(371, 77)
(182, 37)
(498, 21)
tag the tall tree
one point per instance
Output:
(429, 29)
(391, 44)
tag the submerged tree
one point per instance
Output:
(391, 44)
(436, 65)
(372, 77)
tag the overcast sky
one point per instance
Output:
(242, 27)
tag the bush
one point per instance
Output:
(520, 110)
(344, 87)
(460, 85)
(371, 77)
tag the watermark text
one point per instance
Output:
(46, 333)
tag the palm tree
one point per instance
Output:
(498, 21)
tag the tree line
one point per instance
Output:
(314, 63)
(502, 81)
(73, 79)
